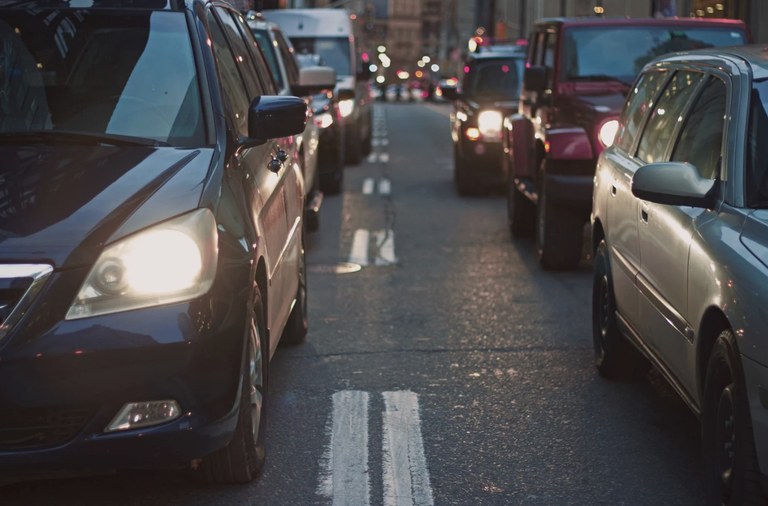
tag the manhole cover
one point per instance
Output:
(339, 268)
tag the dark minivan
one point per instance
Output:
(151, 249)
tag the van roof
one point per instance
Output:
(311, 22)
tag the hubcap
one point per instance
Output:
(725, 439)
(256, 379)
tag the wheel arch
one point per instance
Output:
(712, 324)
(598, 234)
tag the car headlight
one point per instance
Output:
(169, 262)
(489, 124)
(607, 132)
(324, 120)
(346, 107)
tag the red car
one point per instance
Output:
(578, 73)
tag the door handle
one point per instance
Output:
(613, 190)
(644, 216)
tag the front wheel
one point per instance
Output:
(559, 233)
(298, 322)
(732, 472)
(243, 458)
(615, 357)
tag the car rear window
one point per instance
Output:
(129, 73)
(496, 78)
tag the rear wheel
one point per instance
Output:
(732, 472)
(298, 322)
(559, 233)
(615, 357)
(243, 458)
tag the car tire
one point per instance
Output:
(732, 471)
(615, 357)
(368, 141)
(464, 186)
(354, 147)
(297, 326)
(242, 460)
(521, 213)
(559, 234)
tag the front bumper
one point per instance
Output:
(483, 160)
(60, 390)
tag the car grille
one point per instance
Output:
(19, 284)
(31, 428)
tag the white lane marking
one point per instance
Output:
(385, 247)
(385, 142)
(375, 142)
(385, 187)
(371, 158)
(384, 157)
(368, 186)
(344, 467)
(406, 478)
(359, 253)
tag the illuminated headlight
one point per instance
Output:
(607, 132)
(324, 120)
(169, 262)
(489, 124)
(346, 107)
(136, 415)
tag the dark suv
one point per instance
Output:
(489, 91)
(151, 247)
(577, 76)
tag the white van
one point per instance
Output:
(330, 34)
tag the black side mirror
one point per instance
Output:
(272, 117)
(535, 79)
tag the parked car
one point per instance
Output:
(304, 82)
(488, 92)
(680, 238)
(327, 116)
(151, 254)
(577, 75)
(330, 33)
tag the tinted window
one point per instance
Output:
(666, 116)
(286, 50)
(757, 147)
(639, 102)
(701, 138)
(270, 54)
(621, 52)
(494, 79)
(240, 50)
(235, 96)
(99, 72)
(333, 50)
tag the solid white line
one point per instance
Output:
(385, 187)
(344, 467)
(359, 253)
(385, 244)
(384, 157)
(406, 478)
(368, 186)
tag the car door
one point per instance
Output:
(263, 188)
(696, 105)
(621, 207)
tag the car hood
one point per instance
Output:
(61, 204)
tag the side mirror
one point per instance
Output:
(346, 94)
(451, 93)
(272, 117)
(535, 79)
(674, 183)
(313, 80)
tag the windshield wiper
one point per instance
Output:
(47, 136)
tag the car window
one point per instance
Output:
(638, 104)
(666, 116)
(235, 96)
(334, 51)
(701, 137)
(241, 53)
(102, 77)
(538, 48)
(494, 79)
(289, 59)
(270, 54)
(549, 57)
(757, 148)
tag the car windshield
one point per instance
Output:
(334, 51)
(757, 148)
(496, 78)
(129, 74)
(619, 53)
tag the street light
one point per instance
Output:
(382, 49)
(435, 67)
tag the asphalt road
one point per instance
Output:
(449, 369)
